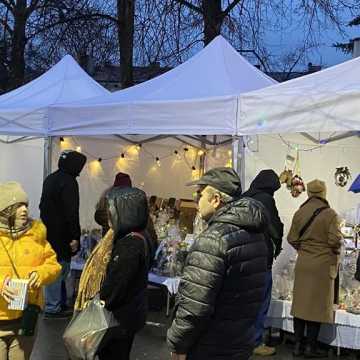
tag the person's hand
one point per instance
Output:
(74, 245)
(34, 278)
(7, 293)
(175, 356)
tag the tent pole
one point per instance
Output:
(238, 158)
(47, 155)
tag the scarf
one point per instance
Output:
(94, 271)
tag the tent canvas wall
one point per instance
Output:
(327, 100)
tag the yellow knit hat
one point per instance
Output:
(316, 188)
(12, 193)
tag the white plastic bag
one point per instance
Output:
(86, 329)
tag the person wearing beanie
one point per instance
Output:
(121, 181)
(223, 284)
(59, 211)
(315, 234)
(24, 254)
(262, 189)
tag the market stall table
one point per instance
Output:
(344, 333)
(171, 284)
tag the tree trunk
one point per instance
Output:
(213, 19)
(17, 62)
(126, 15)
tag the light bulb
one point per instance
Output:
(158, 162)
(201, 152)
(78, 148)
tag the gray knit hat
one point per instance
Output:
(12, 193)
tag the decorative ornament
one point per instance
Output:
(285, 178)
(297, 186)
(342, 176)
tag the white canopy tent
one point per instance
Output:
(199, 97)
(328, 100)
(24, 111)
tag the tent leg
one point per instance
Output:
(47, 155)
(238, 158)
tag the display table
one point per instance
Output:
(345, 332)
(171, 284)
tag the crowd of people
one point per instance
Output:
(225, 291)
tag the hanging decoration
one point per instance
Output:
(291, 175)
(342, 176)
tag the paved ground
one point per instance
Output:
(149, 344)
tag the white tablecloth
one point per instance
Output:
(345, 332)
(171, 283)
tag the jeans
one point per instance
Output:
(261, 317)
(55, 294)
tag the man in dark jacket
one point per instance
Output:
(222, 287)
(262, 189)
(357, 274)
(59, 211)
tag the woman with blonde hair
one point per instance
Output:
(24, 254)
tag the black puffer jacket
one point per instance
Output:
(123, 289)
(222, 287)
(59, 205)
(262, 189)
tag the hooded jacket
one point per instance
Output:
(222, 287)
(59, 205)
(123, 289)
(262, 189)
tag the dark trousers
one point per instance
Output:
(261, 317)
(116, 345)
(312, 330)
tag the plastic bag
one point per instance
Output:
(86, 329)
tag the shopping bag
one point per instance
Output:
(86, 329)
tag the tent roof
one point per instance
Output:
(197, 97)
(328, 100)
(23, 111)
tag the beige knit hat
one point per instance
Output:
(316, 188)
(12, 193)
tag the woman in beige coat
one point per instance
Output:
(316, 236)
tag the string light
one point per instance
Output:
(178, 156)
(62, 139)
(186, 149)
(99, 159)
(78, 148)
(158, 161)
(201, 152)
(123, 156)
(138, 147)
(193, 168)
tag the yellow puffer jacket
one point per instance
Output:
(30, 252)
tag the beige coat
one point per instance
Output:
(317, 263)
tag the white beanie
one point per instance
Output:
(12, 193)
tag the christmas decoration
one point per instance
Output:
(342, 176)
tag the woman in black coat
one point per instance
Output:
(124, 286)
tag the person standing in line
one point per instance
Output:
(262, 189)
(123, 286)
(25, 254)
(59, 211)
(221, 290)
(315, 235)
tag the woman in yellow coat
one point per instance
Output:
(24, 254)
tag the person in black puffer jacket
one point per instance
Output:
(124, 286)
(222, 287)
(357, 274)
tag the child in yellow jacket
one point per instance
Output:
(25, 254)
